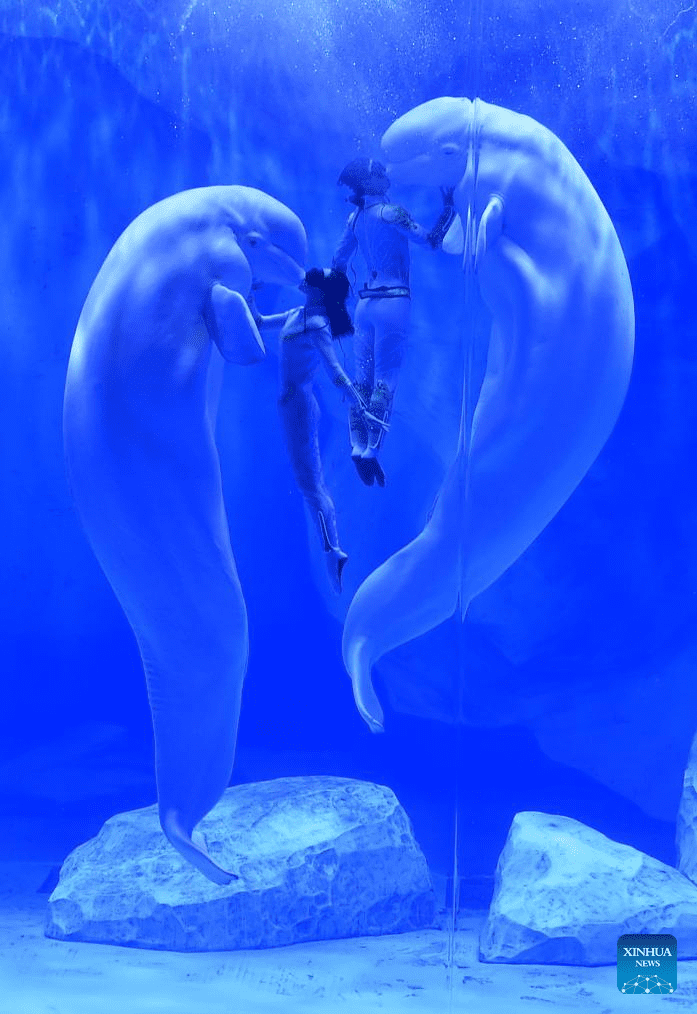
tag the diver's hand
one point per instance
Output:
(368, 416)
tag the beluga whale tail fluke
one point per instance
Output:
(179, 835)
(548, 264)
(168, 308)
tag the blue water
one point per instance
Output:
(578, 663)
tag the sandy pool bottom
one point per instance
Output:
(394, 974)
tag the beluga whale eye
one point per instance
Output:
(449, 148)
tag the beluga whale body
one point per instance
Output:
(166, 310)
(541, 247)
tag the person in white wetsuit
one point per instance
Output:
(381, 232)
(306, 339)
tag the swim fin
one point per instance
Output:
(336, 557)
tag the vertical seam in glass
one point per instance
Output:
(464, 443)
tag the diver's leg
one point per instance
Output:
(391, 321)
(364, 356)
(300, 415)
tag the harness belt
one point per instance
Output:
(384, 292)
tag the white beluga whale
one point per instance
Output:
(542, 249)
(167, 308)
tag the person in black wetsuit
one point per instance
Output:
(381, 232)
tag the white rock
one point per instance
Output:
(686, 830)
(317, 858)
(564, 893)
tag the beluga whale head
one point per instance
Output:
(271, 236)
(429, 145)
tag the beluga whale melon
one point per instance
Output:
(167, 308)
(539, 244)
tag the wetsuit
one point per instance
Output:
(382, 232)
(305, 341)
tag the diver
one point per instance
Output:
(306, 339)
(381, 231)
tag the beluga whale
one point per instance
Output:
(540, 246)
(167, 309)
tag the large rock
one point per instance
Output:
(564, 893)
(686, 828)
(317, 858)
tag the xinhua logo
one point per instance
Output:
(647, 963)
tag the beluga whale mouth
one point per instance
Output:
(549, 267)
(269, 261)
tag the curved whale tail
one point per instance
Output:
(359, 659)
(412, 592)
(178, 832)
(194, 670)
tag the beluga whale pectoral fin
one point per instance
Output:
(489, 229)
(550, 269)
(454, 241)
(233, 328)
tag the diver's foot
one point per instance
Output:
(358, 431)
(372, 467)
(365, 470)
(340, 564)
(336, 561)
(336, 557)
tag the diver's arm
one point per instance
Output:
(267, 322)
(398, 217)
(273, 321)
(346, 246)
(322, 337)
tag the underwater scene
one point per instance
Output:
(349, 583)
